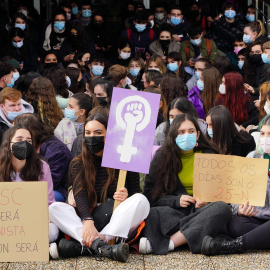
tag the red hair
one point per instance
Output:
(235, 99)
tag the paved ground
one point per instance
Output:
(180, 259)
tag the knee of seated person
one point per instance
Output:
(224, 208)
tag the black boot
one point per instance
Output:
(118, 252)
(72, 248)
(211, 246)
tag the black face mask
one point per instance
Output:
(22, 150)
(86, 63)
(102, 101)
(194, 14)
(50, 65)
(256, 59)
(164, 42)
(98, 25)
(95, 144)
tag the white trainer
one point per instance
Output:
(145, 246)
(53, 250)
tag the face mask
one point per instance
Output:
(68, 81)
(170, 120)
(267, 110)
(210, 132)
(74, 38)
(247, 39)
(230, 14)
(222, 89)
(16, 76)
(240, 64)
(196, 42)
(22, 150)
(265, 144)
(265, 58)
(200, 85)
(70, 114)
(12, 115)
(17, 44)
(86, 13)
(250, 18)
(159, 16)
(20, 25)
(59, 25)
(140, 27)
(134, 72)
(194, 13)
(24, 12)
(86, 63)
(97, 70)
(186, 142)
(151, 23)
(237, 49)
(175, 20)
(172, 67)
(197, 75)
(68, 16)
(95, 143)
(102, 101)
(98, 25)
(164, 42)
(11, 84)
(50, 65)
(124, 55)
(75, 10)
(255, 58)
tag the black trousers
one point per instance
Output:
(255, 232)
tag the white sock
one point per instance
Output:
(171, 245)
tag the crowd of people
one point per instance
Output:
(56, 86)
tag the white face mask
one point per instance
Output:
(265, 144)
(124, 55)
(267, 110)
(222, 89)
(152, 23)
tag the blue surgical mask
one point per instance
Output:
(12, 115)
(186, 141)
(140, 27)
(11, 84)
(20, 25)
(196, 42)
(247, 39)
(97, 70)
(170, 120)
(75, 10)
(69, 114)
(17, 44)
(200, 85)
(68, 81)
(16, 76)
(210, 132)
(175, 20)
(230, 14)
(197, 75)
(265, 58)
(240, 64)
(59, 25)
(172, 67)
(250, 18)
(134, 72)
(87, 13)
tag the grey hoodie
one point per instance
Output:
(26, 108)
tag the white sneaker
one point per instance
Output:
(53, 251)
(145, 246)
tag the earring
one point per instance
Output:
(196, 144)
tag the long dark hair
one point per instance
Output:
(166, 171)
(32, 170)
(224, 130)
(86, 178)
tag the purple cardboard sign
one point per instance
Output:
(131, 130)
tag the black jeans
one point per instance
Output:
(255, 232)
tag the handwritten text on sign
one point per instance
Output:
(230, 179)
(24, 221)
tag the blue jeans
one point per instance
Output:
(59, 197)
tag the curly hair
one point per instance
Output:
(41, 95)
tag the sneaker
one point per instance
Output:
(53, 251)
(145, 246)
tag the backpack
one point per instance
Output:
(208, 47)
(151, 34)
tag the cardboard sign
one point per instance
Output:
(24, 222)
(230, 179)
(131, 130)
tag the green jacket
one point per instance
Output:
(211, 56)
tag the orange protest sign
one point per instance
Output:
(230, 179)
(24, 222)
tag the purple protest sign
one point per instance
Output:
(131, 130)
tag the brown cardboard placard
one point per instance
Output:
(230, 179)
(24, 227)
